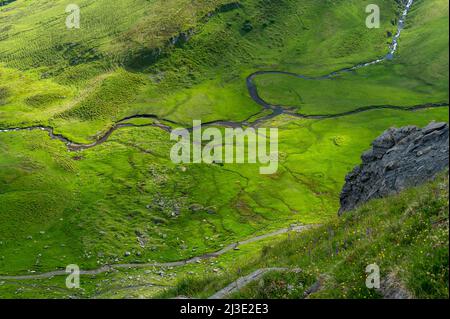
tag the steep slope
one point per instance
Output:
(406, 235)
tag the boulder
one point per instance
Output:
(399, 158)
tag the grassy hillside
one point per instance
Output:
(405, 235)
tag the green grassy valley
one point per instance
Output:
(85, 172)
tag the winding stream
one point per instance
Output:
(108, 268)
(276, 110)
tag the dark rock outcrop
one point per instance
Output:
(398, 159)
(5, 2)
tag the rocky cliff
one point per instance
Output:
(399, 158)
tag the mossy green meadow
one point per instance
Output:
(125, 202)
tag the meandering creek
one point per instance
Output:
(276, 110)
(108, 268)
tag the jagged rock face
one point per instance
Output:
(399, 158)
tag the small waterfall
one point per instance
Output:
(401, 24)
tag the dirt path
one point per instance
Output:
(244, 281)
(179, 263)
